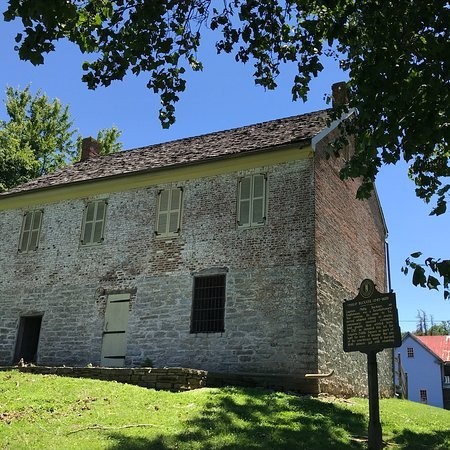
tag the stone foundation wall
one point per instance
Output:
(350, 376)
(269, 324)
(178, 378)
(169, 379)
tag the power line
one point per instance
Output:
(434, 320)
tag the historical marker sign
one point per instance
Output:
(371, 321)
(370, 325)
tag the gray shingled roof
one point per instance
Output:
(258, 137)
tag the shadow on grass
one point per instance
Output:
(259, 420)
(436, 440)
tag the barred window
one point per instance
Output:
(31, 228)
(94, 222)
(208, 306)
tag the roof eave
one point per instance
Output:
(425, 347)
(330, 128)
(301, 143)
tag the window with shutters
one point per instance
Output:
(169, 212)
(93, 226)
(208, 306)
(31, 229)
(252, 201)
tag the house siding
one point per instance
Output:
(270, 311)
(424, 372)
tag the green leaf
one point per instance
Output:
(419, 276)
(432, 282)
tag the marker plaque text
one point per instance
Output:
(371, 323)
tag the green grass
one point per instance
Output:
(49, 412)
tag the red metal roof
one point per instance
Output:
(439, 345)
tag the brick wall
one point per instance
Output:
(270, 304)
(350, 246)
(285, 281)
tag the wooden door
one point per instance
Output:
(114, 343)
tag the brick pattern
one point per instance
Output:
(350, 246)
(285, 281)
(270, 312)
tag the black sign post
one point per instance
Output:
(371, 325)
(375, 434)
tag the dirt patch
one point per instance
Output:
(84, 403)
(8, 417)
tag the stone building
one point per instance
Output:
(230, 252)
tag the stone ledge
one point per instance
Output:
(172, 379)
(179, 379)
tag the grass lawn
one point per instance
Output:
(50, 412)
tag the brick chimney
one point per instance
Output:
(90, 148)
(339, 94)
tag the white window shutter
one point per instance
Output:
(163, 211)
(252, 200)
(94, 222)
(35, 230)
(258, 199)
(31, 227)
(26, 229)
(244, 201)
(99, 224)
(169, 211)
(175, 211)
(89, 212)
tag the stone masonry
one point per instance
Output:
(270, 277)
(174, 379)
(285, 281)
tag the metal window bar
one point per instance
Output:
(423, 396)
(208, 309)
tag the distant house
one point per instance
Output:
(425, 361)
(230, 252)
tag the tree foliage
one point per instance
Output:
(422, 272)
(440, 329)
(397, 55)
(427, 327)
(39, 137)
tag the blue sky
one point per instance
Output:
(224, 96)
